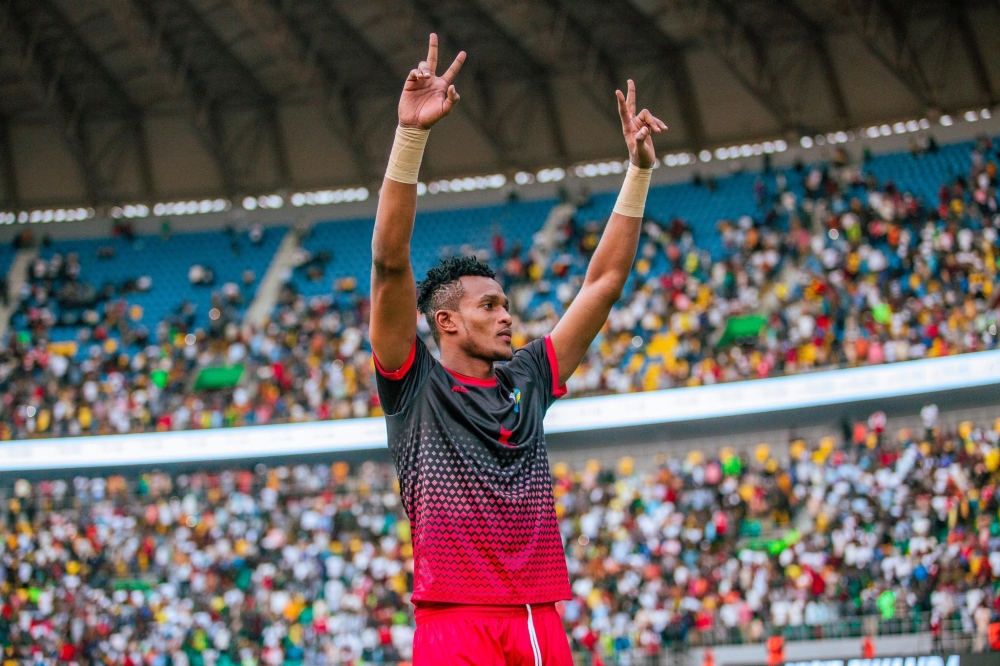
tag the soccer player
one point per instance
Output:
(465, 433)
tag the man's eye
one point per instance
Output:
(488, 306)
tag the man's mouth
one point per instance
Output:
(505, 334)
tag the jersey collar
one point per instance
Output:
(472, 381)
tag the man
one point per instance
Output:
(466, 435)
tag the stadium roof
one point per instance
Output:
(117, 101)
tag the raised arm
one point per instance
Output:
(426, 99)
(612, 261)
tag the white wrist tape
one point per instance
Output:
(632, 199)
(407, 153)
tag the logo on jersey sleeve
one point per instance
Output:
(516, 397)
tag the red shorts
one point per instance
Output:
(490, 636)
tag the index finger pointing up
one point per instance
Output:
(630, 100)
(432, 53)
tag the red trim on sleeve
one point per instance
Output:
(557, 391)
(398, 374)
(472, 381)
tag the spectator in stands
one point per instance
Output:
(834, 270)
(313, 564)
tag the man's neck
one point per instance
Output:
(467, 365)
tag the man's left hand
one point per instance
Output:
(638, 129)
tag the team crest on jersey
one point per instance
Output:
(516, 397)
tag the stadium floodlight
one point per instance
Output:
(971, 116)
(806, 142)
(705, 156)
(421, 189)
(885, 130)
(912, 125)
(551, 175)
(985, 114)
(899, 128)
(670, 160)
(746, 150)
(947, 121)
(924, 123)
(250, 203)
(523, 178)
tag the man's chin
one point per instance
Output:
(504, 353)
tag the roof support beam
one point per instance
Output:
(598, 68)
(745, 55)
(98, 155)
(11, 192)
(540, 76)
(51, 94)
(268, 115)
(233, 149)
(134, 131)
(885, 35)
(362, 42)
(336, 101)
(817, 40)
(142, 25)
(486, 119)
(138, 134)
(963, 22)
(674, 63)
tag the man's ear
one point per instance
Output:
(446, 322)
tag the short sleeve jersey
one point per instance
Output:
(474, 477)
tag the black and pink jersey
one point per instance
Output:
(474, 478)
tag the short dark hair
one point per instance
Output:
(442, 288)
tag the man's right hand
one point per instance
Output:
(427, 97)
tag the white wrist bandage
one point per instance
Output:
(407, 152)
(632, 199)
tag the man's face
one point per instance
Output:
(482, 325)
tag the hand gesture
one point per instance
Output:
(427, 97)
(638, 129)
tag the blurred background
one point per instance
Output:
(783, 445)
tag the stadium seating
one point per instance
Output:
(886, 533)
(435, 234)
(166, 261)
(752, 275)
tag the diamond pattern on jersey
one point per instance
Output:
(475, 482)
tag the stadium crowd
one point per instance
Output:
(312, 564)
(835, 268)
